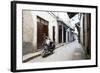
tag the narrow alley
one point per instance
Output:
(70, 29)
(71, 51)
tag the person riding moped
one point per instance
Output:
(48, 45)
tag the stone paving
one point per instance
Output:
(71, 51)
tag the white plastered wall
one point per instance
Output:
(52, 22)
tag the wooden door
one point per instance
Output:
(39, 35)
(42, 28)
(45, 29)
(64, 34)
(54, 33)
(60, 34)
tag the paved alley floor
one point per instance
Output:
(71, 51)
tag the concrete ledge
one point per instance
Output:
(59, 45)
(30, 56)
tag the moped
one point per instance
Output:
(48, 49)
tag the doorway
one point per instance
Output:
(60, 34)
(54, 33)
(64, 34)
(42, 29)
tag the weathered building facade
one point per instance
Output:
(83, 26)
(36, 24)
(85, 32)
